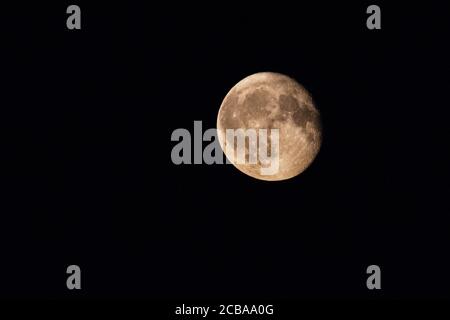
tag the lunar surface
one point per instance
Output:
(272, 101)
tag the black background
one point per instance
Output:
(87, 178)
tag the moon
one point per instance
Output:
(269, 100)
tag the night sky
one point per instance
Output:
(86, 175)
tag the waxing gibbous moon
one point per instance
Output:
(270, 100)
